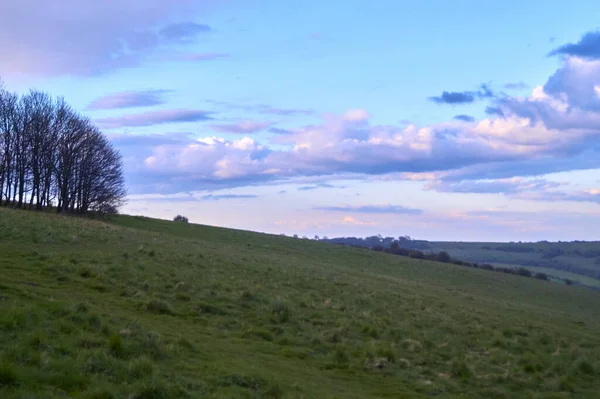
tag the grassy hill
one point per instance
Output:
(139, 308)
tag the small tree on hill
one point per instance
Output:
(180, 218)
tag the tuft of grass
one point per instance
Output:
(181, 296)
(8, 376)
(281, 312)
(115, 345)
(100, 393)
(86, 272)
(141, 367)
(461, 370)
(158, 307)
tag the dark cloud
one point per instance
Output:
(153, 118)
(494, 111)
(463, 97)
(376, 209)
(129, 99)
(516, 86)
(587, 47)
(183, 31)
(278, 130)
(454, 98)
(317, 186)
(241, 127)
(464, 118)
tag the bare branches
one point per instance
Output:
(52, 156)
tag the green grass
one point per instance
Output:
(141, 308)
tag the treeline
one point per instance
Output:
(378, 240)
(51, 156)
(443, 256)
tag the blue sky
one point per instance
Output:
(441, 120)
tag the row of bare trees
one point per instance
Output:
(51, 156)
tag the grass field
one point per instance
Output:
(141, 308)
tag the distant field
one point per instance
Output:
(579, 258)
(141, 308)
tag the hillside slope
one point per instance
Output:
(141, 308)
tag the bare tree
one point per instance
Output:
(49, 152)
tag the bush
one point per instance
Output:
(443, 257)
(180, 218)
(541, 276)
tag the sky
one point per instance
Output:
(462, 120)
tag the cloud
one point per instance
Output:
(518, 188)
(264, 108)
(592, 196)
(354, 221)
(373, 209)
(278, 130)
(463, 97)
(91, 37)
(153, 118)
(464, 118)
(200, 56)
(516, 86)
(129, 99)
(356, 115)
(556, 128)
(187, 197)
(587, 47)
(577, 84)
(317, 186)
(218, 197)
(244, 127)
(336, 148)
(494, 111)
(504, 186)
(183, 31)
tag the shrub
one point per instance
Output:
(180, 218)
(541, 276)
(521, 271)
(443, 257)
(280, 311)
